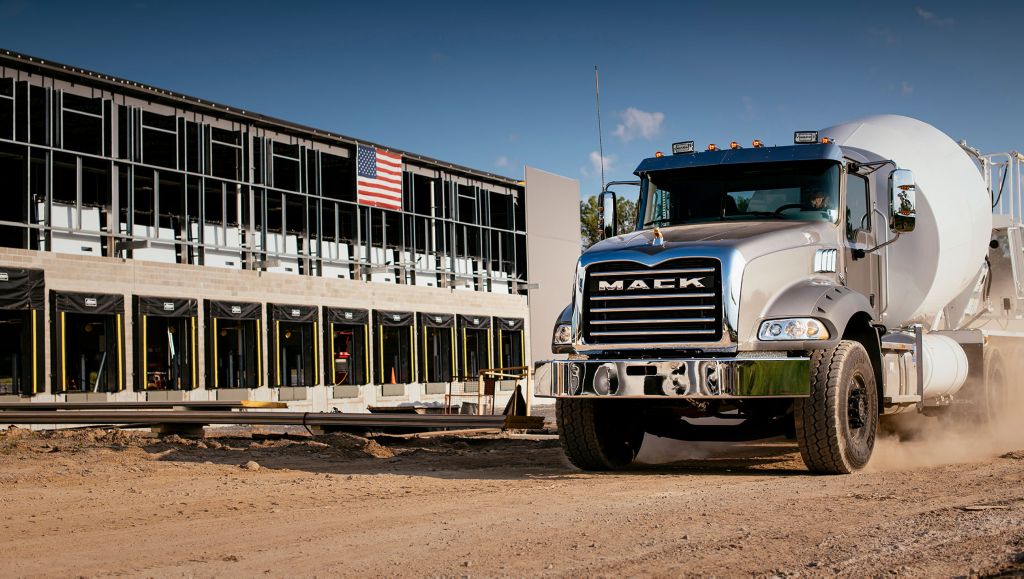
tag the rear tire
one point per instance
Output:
(598, 435)
(837, 424)
(995, 399)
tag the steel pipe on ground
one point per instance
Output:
(257, 418)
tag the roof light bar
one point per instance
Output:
(805, 137)
(682, 147)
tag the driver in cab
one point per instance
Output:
(816, 200)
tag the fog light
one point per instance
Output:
(606, 379)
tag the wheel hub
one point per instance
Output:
(856, 406)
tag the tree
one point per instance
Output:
(590, 219)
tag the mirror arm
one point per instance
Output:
(862, 253)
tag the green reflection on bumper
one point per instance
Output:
(773, 377)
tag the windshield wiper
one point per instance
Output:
(657, 222)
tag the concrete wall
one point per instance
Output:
(553, 247)
(82, 273)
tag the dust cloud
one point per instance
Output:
(904, 442)
(914, 441)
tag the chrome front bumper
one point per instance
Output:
(683, 378)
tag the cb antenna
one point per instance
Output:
(600, 138)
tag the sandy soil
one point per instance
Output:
(93, 503)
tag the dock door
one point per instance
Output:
(476, 346)
(88, 342)
(294, 360)
(510, 342)
(234, 344)
(438, 351)
(347, 345)
(165, 343)
(396, 350)
(21, 331)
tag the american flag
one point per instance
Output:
(378, 178)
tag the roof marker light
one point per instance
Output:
(734, 145)
(659, 154)
(682, 148)
(757, 143)
(825, 140)
(712, 147)
(805, 137)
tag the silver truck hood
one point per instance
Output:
(750, 238)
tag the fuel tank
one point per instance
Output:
(932, 265)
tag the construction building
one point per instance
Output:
(156, 246)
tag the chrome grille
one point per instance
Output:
(678, 301)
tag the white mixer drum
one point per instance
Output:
(943, 255)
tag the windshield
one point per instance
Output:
(801, 191)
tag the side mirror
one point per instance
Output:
(607, 202)
(902, 201)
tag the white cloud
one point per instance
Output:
(595, 165)
(906, 88)
(931, 17)
(639, 124)
(502, 162)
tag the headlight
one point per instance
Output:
(563, 335)
(793, 329)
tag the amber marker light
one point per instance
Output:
(712, 147)
(734, 145)
(825, 140)
(757, 143)
(659, 154)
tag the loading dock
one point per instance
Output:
(166, 343)
(234, 344)
(22, 297)
(509, 345)
(438, 351)
(396, 350)
(476, 347)
(87, 342)
(294, 359)
(347, 345)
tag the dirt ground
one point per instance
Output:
(95, 502)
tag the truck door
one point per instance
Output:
(861, 274)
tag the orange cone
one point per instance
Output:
(393, 376)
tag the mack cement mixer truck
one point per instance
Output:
(871, 268)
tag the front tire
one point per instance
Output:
(598, 434)
(836, 425)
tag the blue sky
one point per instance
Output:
(498, 85)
